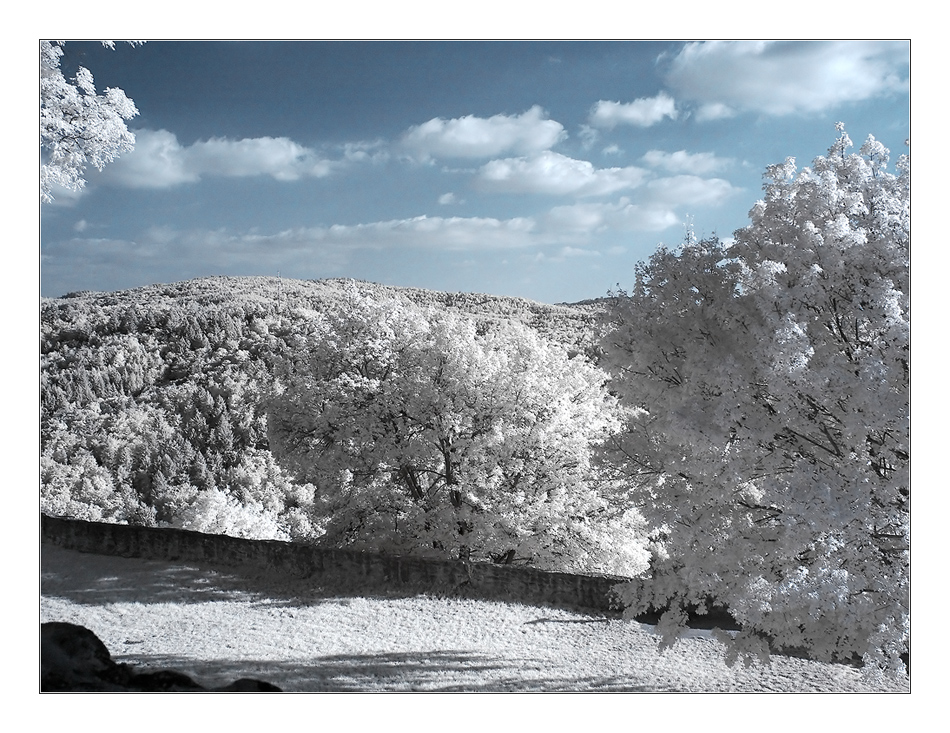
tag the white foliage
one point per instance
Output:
(77, 126)
(216, 512)
(772, 437)
(423, 432)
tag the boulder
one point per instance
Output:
(74, 659)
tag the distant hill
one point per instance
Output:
(151, 398)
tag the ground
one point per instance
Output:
(217, 626)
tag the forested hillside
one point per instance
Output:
(153, 399)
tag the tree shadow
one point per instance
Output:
(428, 671)
(92, 579)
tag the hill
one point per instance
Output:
(151, 398)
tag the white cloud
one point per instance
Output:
(683, 162)
(623, 215)
(785, 77)
(477, 137)
(578, 252)
(446, 233)
(168, 254)
(557, 175)
(226, 252)
(572, 230)
(688, 190)
(447, 199)
(564, 253)
(453, 233)
(588, 136)
(375, 151)
(654, 210)
(714, 111)
(577, 218)
(642, 112)
(279, 158)
(160, 161)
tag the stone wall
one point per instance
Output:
(354, 569)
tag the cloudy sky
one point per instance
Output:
(536, 169)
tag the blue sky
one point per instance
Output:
(537, 169)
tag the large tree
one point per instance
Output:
(769, 431)
(77, 125)
(426, 433)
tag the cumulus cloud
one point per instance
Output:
(785, 77)
(642, 112)
(714, 111)
(688, 190)
(683, 162)
(557, 175)
(655, 208)
(481, 137)
(279, 158)
(160, 161)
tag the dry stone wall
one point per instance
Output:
(361, 569)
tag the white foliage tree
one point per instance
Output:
(770, 426)
(423, 433)
(77, 125)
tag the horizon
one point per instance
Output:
(540, 170)
(315, 281)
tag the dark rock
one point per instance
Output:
(164, 680)
(246, 685)
(73, 659)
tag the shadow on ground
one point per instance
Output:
(92, 579)
(94, 582)
(435, 671)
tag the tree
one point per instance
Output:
(78, 126)
(425, 433)
(769, 428)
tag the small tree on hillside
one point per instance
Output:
(770, 436)
(424, 433)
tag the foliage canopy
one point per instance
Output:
(77, 125)
(769, 434)
(426, 433)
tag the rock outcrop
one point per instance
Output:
(74, 659)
